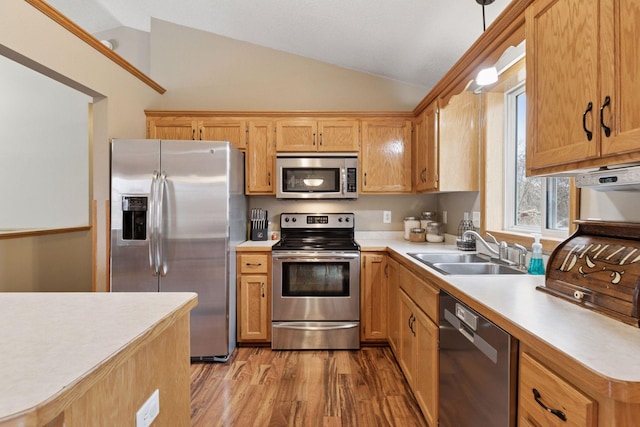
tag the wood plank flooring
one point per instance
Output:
(262, 387)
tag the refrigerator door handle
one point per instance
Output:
(162, 260)
(151, 226)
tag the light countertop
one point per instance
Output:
(599, 343)
(52, 340)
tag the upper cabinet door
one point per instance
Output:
(620, 62)
(223, 129)
(260, 158)
(385, 156)
(171, 128)
(338, 135)
(296, 135)
(562, 82)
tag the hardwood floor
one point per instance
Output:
(262, 387)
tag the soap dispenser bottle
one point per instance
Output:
(536, 266)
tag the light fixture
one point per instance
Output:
(489, 75)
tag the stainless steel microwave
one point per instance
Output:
(317, 176)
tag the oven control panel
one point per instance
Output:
(317, 220)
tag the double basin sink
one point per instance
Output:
(464, 264)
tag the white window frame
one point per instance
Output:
(509, 178)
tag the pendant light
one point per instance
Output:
(488, 75)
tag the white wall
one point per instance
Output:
(44, 151)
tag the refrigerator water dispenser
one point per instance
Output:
(134, 217)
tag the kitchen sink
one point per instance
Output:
(475, 268)
(432, 258)
(464, 264)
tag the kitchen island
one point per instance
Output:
(79, 359)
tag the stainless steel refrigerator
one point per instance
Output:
(177, 212)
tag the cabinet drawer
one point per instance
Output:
(422, 293)
(555, 394)
(253, 263)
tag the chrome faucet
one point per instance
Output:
(501, 254)
(522, 256)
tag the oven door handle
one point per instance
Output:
(306, 327)
(314, 258)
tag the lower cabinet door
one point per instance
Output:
(426, 366)
(253, 308)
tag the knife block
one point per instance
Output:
(259, 234)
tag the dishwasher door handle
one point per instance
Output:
(474, 338)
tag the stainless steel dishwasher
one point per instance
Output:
(478, 365)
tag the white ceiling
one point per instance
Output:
(413, 41)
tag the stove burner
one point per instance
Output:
(303, 232)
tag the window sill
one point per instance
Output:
(526, 240)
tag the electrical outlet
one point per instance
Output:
(444, 217)
(475, 218)
(149, 410)
(386, 217)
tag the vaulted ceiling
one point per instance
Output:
(412, 41)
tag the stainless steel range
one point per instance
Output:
(316, 283)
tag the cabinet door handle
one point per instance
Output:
(365, 179)
(193, 134)
(386, 270)
(257, 264)
(584, 121)
(320, 138)
(558, 413)
(200, 134)
(262, 289)
(314, 139)
(607, 129)
(269, 178)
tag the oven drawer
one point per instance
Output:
(315, 335)
(253, 263)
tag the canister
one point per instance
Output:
(409, 223)
(434, 232)
(417, 235)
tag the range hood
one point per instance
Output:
(621, 179)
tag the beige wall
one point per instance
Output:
(60, 262)
(204, 71)
(199, 71)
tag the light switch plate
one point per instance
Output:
(386, 217)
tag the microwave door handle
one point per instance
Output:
(344, 181)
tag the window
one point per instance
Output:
(534, 204)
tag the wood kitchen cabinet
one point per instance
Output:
(373, 297)
(385, 156)
(418, 341)
(171, 128)
(254, 297)
(546, 399)
(310, 135)
(393, 304)
(425, 145)
(582, 83)
(233, 130)
(457, 145)
(260, 159)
